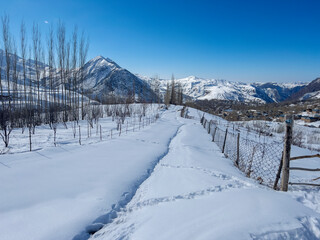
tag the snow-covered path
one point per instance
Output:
(196, 193)
(56, 192)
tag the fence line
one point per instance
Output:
(257, 160)
(82, 134)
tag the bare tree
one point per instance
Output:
(173, 91)
(83, 51)
(5, 113)
(61, 53)
(74, 82)
(167, 95)
(36, 40)
(23, 56)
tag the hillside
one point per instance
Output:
(310, 91)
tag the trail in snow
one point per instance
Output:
(196, 193)
(124, 200)
(57, 193)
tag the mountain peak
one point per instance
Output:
(101, 60)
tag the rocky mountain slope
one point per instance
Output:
(310, 91)
(106, 79)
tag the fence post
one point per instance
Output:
(209, 127)
(286, 153)
(79, 135)
(238, 150)
(30, 142)
(225, 139)
(100, 133)
(201, 119)
(55, 137)
(214, 134)
(278, 174)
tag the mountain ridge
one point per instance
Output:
(201, 88)
(105, 79)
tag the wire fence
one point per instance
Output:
(81, 133)
(258, 160)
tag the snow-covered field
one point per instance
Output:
(68, 134)
(196, 193)
(54, 193)
(166, 181)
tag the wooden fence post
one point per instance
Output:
(209, 127)
(55, 137)
(201, 119)
(214, 134)
(286, 153)
(278, 174)
(30, 142)
(100, 133)
(224, 142)
(79, 135)
(238, 150)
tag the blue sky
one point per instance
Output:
(261, 40)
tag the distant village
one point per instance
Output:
(309, 115)
(306, 112)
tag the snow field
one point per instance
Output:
(166, 181)
(54, 193)
(194, 192)
(44, 135)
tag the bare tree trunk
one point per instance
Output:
(83, 51)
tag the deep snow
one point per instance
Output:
(166, 181)
(196, 193)
(56, 192)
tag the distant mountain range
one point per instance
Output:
(200, 89)
(104, 78)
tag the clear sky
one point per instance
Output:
(236, 40)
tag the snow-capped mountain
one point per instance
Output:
(29, 63)
(105, 78)
(310, 91)
(201, 89)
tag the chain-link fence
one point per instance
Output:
(258, 160)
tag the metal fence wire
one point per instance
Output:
(258, 160)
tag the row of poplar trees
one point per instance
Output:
(174, 93)
(48, 89)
